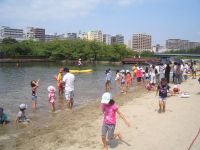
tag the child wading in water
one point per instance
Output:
(34, 86)
(21, 117)
(162, 89)
(52, 97)
(109, 109)
(59, 81)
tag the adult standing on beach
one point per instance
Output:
(68, 80)
(167, 72)
(194, 70)
(153, 75)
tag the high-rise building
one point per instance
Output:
(35, 33)
(7, 32)
(95, 35)
(113, 39)
(178, 44)
(107, 39)
(141, 42)
(129, 45)
(119, 39)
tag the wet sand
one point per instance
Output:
(81, 129)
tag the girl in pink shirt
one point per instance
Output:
(109, 109)
(52, 97)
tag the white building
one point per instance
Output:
(7, 32)
(107, 39)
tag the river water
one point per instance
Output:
(15, 86)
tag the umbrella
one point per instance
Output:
(174, 59)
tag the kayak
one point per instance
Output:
(81, 71)
(191, 74)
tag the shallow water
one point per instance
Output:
(15, 87)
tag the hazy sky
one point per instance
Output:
(163, 19)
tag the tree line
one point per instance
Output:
(68, 49)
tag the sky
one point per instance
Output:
(163, 19)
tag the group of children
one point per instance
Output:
(21, 117)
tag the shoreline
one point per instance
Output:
(81, 129)
(174, 129)
(62, 121)
(10, 60)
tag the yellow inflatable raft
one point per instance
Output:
(81, 71)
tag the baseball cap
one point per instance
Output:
(106, 97)
(66, 69)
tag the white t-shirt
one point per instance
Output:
(69, 81)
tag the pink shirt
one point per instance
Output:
(109, 113)
(52, 97)
(139, 73)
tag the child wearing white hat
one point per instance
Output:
(109, 109)
(52, 96)
(21, 117)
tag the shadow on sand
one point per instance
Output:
(115, 143)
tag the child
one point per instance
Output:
(109, 109)
(59, 82)
(176, 89)
(21, 117)
(128, 79)
(117, 78)
(3, 118)
(108, 80)
(123, 82)
(149, 85)
(139, 76)
(52, 96)
(34, 86)
(162, 88)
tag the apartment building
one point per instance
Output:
(95, 35)
(35, 33)
(141, 42)
(119, 39)
(107, 39)
(178, 44)
(7, 32)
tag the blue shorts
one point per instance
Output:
(161, 98)
(34, 98)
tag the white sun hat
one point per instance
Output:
(106, 97)
(22, 106)
(122, 71)
(51, 88)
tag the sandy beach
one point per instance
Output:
(150, 130)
